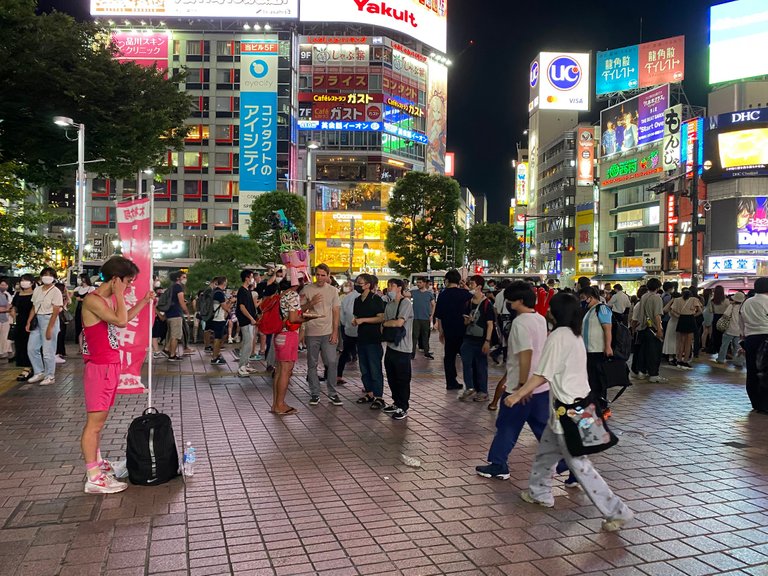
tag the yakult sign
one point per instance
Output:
(559, 81)
(424, 20)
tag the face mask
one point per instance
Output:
(346, 289)
(358, 289)
(392, 294)
(158, 284)
(473, 292)
(47, 280)
(79, 282)
(25, 284)
(183, 282)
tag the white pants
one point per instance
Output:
(5, 344)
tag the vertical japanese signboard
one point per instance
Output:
(673, 120)
(133, 225)
(258, 121)
(437, 117)
(585, 164)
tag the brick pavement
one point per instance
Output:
(325, 492)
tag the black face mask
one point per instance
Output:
(358, 289)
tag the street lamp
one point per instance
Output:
(66, 122)
(311, 145)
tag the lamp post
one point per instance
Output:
(65, 122)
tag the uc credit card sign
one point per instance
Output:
(258, 114)
(560, 81)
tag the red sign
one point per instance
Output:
(335, 40)
(373, 112)
(340, 81)
(662, 62)
(450, 166)
(356, 98)
(328, 111)
(142, 49)
(399, 87)
(408, 52)
(671, 220)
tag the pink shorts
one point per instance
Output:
(100, 382)
(286, 346)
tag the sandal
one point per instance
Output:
(492, 407)
(365, 399)
(24, 376)
(288, 412)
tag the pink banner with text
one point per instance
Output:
(143, 49)
(133, 225)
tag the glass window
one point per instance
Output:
(99, 214)
(194, 48)
(223, 76)
(227, 47)
(176, 47)
(191, 188)
(222, 216)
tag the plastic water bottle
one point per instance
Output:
(189, 460)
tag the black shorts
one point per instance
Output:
(219, 328)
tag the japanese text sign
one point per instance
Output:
(641, 66)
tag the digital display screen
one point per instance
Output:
(744, 149)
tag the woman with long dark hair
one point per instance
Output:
(717, 305)
(21, 309)
(564, 365)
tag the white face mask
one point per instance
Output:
(347, 289)
(183, 281)
(473, 292)
(47, 280)
(25, 284)
(392, 295)
(158, 284)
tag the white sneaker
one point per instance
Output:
(104, 484)
(246, 371)
(230, 340)
(60, 360)
(657, 379)
(36, 378)
(48, 381)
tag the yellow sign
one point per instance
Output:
(338, 225)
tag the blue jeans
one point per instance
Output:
(510, 423)
(43, 362)
(369, 361)
(727, 340)
(475, 366)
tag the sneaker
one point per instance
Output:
(104, 484)
(48, 381)
(256, 357)
(684, 366)
(36, 378)
(218, 361)
(657, 379)
(429, 355)
(208, 348)
(615, 524)
(526, 496)
(378, 404)
(673, 362)
(174, 359)
(166, 353)
(158, 355)
(364, 399)
(399, 414)
(188, 352)
(492, 471)
(245, 371)
(107, 468)
(571, 481)
(639, 375)
(314, 400)
(60, 359)
(468, 393)
(230, 340)
(480, 397)
(389, 409)
(335, 400)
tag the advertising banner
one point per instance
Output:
(258, 115)
(437, 117)
(673, 120)
(738, 40)
(752, 222)
(134, 228)
(337, 55)
(585, 167)
(340, 81)
(584, 227)
(736, 144)
(521, 184)
(634, 168)
(692, 136)
(560, 81)
(244, 211)
(637, 121)
(143, 49)
(734, 264)
(424, 20)
(641, 66)
(285, 9)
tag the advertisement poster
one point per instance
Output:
(738, 40)
(585, 167)
(437, 117)
(258, 115)
(617, 70)
(637, 121)
(673, 121)
(560, 81)
(143, 49)
(134, 228)
(199, 8)
(521, 184)
(752, 222)
(641, 66)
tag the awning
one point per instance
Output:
(618, 277)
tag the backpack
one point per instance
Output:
(151, 454)
(270, 321)
(205, 305)
(164, 302)
(621, 338)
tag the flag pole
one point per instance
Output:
(150, 352)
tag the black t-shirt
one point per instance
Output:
(263, 289)
(175, 310)
(450, 308)
(487, 314)
(245, 298)
(371, 307)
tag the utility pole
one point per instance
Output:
(525, 239)
(695, 217)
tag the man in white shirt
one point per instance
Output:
(754, 326)
(620, 304)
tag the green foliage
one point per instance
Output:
(295, 209)
(494, 243)
(226, 256)
(23, 214)
(423, 221)
(52, 65)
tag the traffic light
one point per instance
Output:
(478, 269)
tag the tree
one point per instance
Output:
(226, 256)
(295, 209)
(22, 215)
(52, 65)
(423, 221)
(494, 243)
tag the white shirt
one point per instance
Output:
(564, 365)
(346, 314)
(592, 327)
(619, 303)
(528, 332)
(45, 300)
(754, 315)
(499, 303)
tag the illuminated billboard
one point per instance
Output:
(423, 20)
(585, 148)
(143, 49)
(738, 40)
(641, 66)
(559, 81)
(286, 9)
(752, 222)
(521, 184)
(737, 145)
(634, 122)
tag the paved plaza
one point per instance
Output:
(326, 492)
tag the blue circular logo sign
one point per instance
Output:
(259, 68)
(564, 73)
(534, 75)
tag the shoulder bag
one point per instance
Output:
(585, 430)
(725, 320)
(394, 334)
(473, 328)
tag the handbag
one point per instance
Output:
(724, 321)
(473, 328)
(584, 428)
(66, 316)
(12, 333)
(394, 334)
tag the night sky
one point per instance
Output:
(491, 49)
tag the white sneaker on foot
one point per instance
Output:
(104, 484)
(246, 371)
(615, 524)
(657, 379)
(526, 496)
(36, 378)
(60, 359)
(48, 381)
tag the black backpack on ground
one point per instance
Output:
(151, 454)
